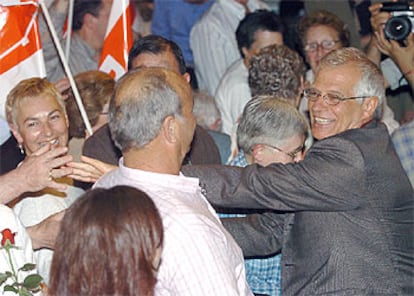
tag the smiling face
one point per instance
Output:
(328, 120)
(317, 34)
(40, 120)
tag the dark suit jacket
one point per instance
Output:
(352, 228)
(100, 146)
(10, 155)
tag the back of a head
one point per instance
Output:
(263, 20)
(325, 18)
(107, 244)
(154, 44)
(276, 71)
(95, 89)
(269, 119)
(142, 99)
(205, 109)
(371, 82)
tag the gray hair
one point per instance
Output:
(205, 109)
(371, 82)
(269, 120)
(142, 99)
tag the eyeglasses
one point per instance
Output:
(312, 94)
(293, 154)
(325, 44)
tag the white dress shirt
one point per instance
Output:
(213, 41)
(232, 95)
(199, 256)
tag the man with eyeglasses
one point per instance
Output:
(320, 33)
(353, 223)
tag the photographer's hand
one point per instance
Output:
(378, 20)
(403, 56)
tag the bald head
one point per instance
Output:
(143, 98)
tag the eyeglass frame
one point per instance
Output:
(321, 44)
(293, 154)
(330, 102)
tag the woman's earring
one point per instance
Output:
(21, 149)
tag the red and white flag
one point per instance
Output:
(21, 54)
(118, 40)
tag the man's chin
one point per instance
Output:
(322, 133)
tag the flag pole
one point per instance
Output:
(66, 68)
(69, 29)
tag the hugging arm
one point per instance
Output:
(257, 234)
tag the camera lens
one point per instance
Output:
(397, 28)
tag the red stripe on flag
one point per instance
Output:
(19, 35)
(116, 46)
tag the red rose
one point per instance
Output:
(7, 235)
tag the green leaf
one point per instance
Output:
(3, 278)
(28, 267)
(9, 288)
(24, 292)
(32, 281)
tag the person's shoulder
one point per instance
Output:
(235, 76)
(407, 128)
(236, 71)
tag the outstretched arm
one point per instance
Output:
(36, 172)
(257, 234)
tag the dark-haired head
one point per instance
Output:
(260, 20)
(107, 245)
(82, 7)
(153, 44)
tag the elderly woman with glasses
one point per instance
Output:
(321, 32)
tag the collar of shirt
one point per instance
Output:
(175, 182)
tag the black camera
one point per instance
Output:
(401, 23)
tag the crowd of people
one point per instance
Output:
(223, 162)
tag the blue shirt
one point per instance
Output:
(403, 139)
(263, 275)
(174, 19)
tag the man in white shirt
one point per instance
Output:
(213, 41)
(151, 121)
(256, 31)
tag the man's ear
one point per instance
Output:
(245, 52)
(369, 105)
(257, 152)
(169, 128)
(300, 90)
(187, 77)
